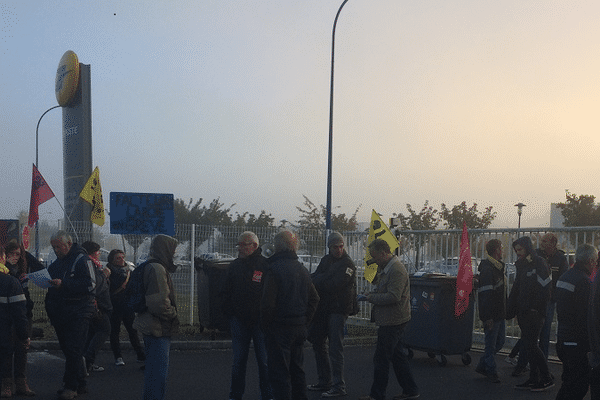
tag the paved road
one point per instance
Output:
(204, 374)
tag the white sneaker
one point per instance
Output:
(119, 362)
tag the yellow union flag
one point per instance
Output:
(92, 193)
(377, 230)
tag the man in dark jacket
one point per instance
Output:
(558, 264)
(13, 317)
(492, 307)
(70, 306)
(335, 281)
(287, 306)
(594, 336)
(528, 301)
(572, 342)
(241, 302)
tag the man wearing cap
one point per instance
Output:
(335, 281)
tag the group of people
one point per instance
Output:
(543, 283)
(85, 304)
(277, 305)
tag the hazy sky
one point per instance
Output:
(493, 102)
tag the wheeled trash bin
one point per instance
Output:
(433, 327)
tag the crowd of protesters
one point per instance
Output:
(273, 302)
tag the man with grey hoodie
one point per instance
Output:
(159, 321)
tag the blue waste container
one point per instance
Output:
(433, 328)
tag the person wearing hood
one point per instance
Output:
(492, 307)
(528, 301)
(159, 321)
(335, 281)
(70, 307)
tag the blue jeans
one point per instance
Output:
(494, 341)
(390, 350)
(330, 363)
(157, 367)
(241, 334)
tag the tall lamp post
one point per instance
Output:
(330, 158)
(519, 213)
(37, 236)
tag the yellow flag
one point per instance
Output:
(377, 230)
(92, 193)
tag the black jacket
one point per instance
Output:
(558, 265)
(75, 297)
(531, 289)
(12, 309)
(334, 280)
(243, 286)
(492, 292)
(289, 297)
(572, 300)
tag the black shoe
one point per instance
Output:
(519, 370)
(527, 385)
(334, 393)
(481, 370)
(318, 387)
(544, 385)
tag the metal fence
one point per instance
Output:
(427, 251)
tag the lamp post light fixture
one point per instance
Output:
(330, 157)
(37, 229)
(519, 212)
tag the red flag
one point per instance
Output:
(40, 193)
(464, 279)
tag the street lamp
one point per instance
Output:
(329, 163)
(37, 236)
(519, 211)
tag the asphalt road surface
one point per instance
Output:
(204, 374)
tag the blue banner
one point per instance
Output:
(141, 213)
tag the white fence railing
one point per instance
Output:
(434, 251)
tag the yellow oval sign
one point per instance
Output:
(67, 78)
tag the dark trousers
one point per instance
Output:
(390, 350)
(285, 358)
(98, 333)
(531, 326)
(72, 334)
(595, 383)
(330, 360)
(576, 371)
(241, 336)
(122, 313)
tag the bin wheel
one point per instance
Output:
(410, 354)
(442, 360)
(466, 359)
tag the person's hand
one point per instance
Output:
(26, 343)
(57, 283)
(22, 277)
(489, 324)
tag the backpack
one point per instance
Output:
(135, 292)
